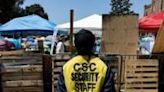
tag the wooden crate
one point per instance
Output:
(21, 74)
(58, 61)
(141, 75)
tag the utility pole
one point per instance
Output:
(71, 30)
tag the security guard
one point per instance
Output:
(85, 72)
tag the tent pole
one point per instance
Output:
(71, 29)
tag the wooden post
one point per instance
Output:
(1, 77)
(40, 46)
(71, 30)
(47, 73)
(161, 75)
(120, 60)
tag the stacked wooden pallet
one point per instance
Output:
(58, 61)
(21, 74)
(141, 75)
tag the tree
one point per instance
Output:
(121, 7)
(10, 9)
(36, 9)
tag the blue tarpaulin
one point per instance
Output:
(32, 24)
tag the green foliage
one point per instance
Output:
(121, 7)
(36, 9)
(10, 9)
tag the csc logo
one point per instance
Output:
(85, 67)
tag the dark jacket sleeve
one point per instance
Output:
(109, 82)
(61, 84)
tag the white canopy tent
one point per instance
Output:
(92, 22)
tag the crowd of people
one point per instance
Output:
(62, 44)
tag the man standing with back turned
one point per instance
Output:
(85, 72)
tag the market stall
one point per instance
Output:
(27, 25)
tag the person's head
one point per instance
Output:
(60, 37)
(84, 42)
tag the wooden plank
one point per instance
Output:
(10, 74)
(18, 60)
(21, 62)
(143, 69)
(33, 76)
(22, 77)
(59, 64)
(141, 75)
(141, 80)
(23, 68)
(35, 56)
(141, 90)
(142, 63)
(129, 57)
(26, 72)
(57, 69)
(12, 53)
(65, 56)
(142, 85)
(21, 83)
(23, 89)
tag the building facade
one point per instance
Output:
(155, 6)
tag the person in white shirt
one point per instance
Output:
(60, 48)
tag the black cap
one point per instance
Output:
(84, 42)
